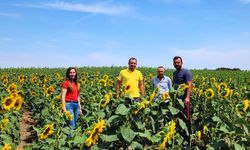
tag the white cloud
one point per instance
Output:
(105, 59)
(212, 59)
(5, 39)
(245, 34)
(177, 1)
(98, 8)
(12, 15)
(245, 1)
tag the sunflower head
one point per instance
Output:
(18, 104)
(12, 87)
(8, 103)
(4, 123)
(246, 104)
(209, 93)
(165, 96)
(6, 147)
(68, 116)
(46, 131)
(49, 90)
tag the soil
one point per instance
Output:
(27, 133)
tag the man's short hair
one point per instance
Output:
(132, 58)
(177, 57)
(160, 67)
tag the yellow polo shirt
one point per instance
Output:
(130, 81)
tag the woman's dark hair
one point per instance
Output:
(68, 78)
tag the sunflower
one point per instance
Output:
(8, 102)
(58, 76)
(53, 106)
(18, 104)
(6, 147)
(4, 123)
(225, 93)
(221, 86)
(68, 116)
(182, 87)
(169, 135)
(246, 104)
(165, 96)
(33, 93)
(34, 79)
(4, 76)
(199, 135)
(58, 97)
(12, 87)
(204, 131)
(49, 90)
(105, 77)
(14, 94)
(102, 82)
(94, 133)
(83, 80)
(22, 78)
(5, 82)
(152, 96)
(209, 93)
(141, 105)
(107, 97)
(46, 131)
(213, 80)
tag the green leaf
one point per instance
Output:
(79, 139)
(173, 110)
(109, 138)
(156, 138)
(136, 145)
(181, 103)
(152, 123)
(216, 119)
(245, 129)
(238, 147)
(146, 111)
(164, 111)
(127, 134)
(6, 138)
(113, 119)
(183, 125)
(50, 141)
(224, 129)
(122, 110)
(101, 114)
(146, 135)
(139, 125)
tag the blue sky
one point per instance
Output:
(63, 33)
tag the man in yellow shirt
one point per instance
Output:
(132, 82)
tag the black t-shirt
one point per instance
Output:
(181, 76)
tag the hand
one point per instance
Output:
(80, 111)
(64, 109)
(187, 100)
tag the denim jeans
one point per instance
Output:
(73, 108)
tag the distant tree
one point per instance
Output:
(231, 69)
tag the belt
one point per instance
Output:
(71, 101)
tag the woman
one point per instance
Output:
(70, 96)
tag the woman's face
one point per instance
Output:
(72, 74)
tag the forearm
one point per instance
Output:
(79, 103)
(189, 89)
(142, 90)
(118, 84)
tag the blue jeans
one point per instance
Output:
(73, 108)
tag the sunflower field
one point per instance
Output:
(220, 112)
